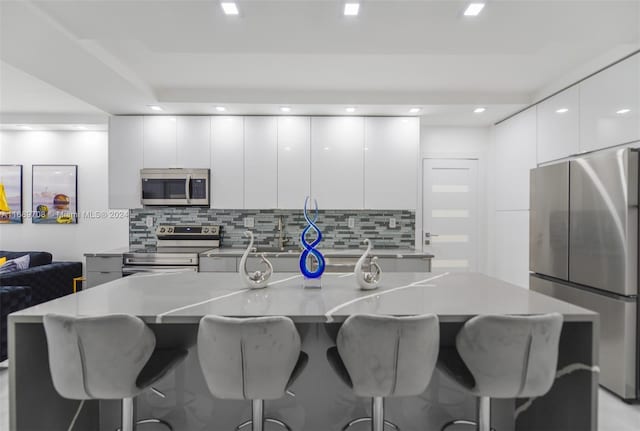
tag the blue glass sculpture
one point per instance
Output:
(309, 249)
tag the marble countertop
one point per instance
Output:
(230, 252)
(186, 297)
(353, 252)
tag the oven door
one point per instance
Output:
(158, 269)
(174, 187)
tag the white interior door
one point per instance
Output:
(450, 213)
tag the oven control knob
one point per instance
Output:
(170, 230)
(205, 230)
(162, 230)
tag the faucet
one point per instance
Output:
(282, 240)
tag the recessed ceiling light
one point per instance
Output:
(155, 108)
(220, 108)
(351, 9)
(79, 127)
(562, 110)
(350, 109)
(479, 110)
(326, 148)
(623, 111)
(474, 9)
(229, 8)
(24, 127)
(287, 148)
(285, 109)
(414, 110)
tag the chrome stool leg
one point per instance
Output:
(129, 410)
(484, 417)
(258, 420)
(377, 417)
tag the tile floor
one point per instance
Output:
(614, 415)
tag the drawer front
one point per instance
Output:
(94, 278)
(104, 263)
(218, 264)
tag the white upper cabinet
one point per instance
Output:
(294, 161)
(227, 162)
(515, 155)
(260, 162)
(337, 162)
(194, 142)
(125, 161)
(160, 142)
(391, 162)
(610, 106)
(558, 126)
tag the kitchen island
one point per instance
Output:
(173, 304)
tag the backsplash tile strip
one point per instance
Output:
(333, 223)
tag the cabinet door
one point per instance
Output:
(227, 162)
(294, 161)
(558, 127)
(194, 142)
(159, 149)
(610, 106)
(260, 162)
(515, 155)
(337, 162)
(125, 161)
(391, 162)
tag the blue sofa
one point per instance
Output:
(43, 281)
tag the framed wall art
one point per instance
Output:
(55, 194)
(10, 194)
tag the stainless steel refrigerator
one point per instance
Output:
(584, 250)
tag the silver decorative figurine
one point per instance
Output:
(255, 279)
(368, 280)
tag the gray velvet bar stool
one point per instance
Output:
(502, 357)
(107, 357)
(253, 359)
(382, 356)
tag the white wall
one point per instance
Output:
(459, 142)
(88, 150)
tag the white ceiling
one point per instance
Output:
(187, 56)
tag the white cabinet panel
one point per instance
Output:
(337, 162)
(512, 247)
(515, 155)
(159, 145)
(391, 162)
(260, 162)
(194, 142)
(294, 161)
(125, 161)
(604, 99)
(227, 162)
(558, 126)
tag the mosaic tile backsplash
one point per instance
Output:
(333, 224)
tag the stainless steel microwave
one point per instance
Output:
(175, 187)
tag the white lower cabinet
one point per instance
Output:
(218, 264)
(102, 269)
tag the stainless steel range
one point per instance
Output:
(178, 249)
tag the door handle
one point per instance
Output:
(428, 236)
(188, 186)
